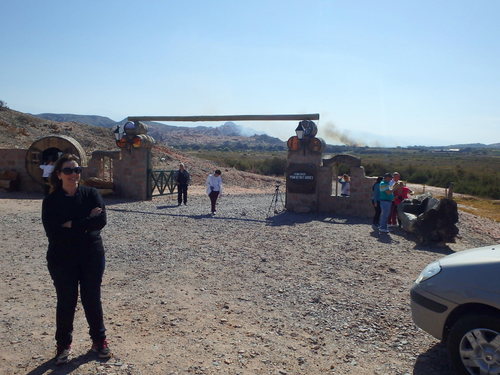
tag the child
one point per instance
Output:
(345, 181)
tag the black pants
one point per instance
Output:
(213, 199)
(46, 186)
(68, 274)
(376, 217)
(182, 193)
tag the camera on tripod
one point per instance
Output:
(277, 204)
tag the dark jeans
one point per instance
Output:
(376, 217)
(46, 186)
(182, 193)
(213, 199)
(67, 274)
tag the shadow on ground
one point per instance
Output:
(433, 362)
(20, 195)
(50, 368)
(196, 217)
(292, 218)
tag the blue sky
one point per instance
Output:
(391, 73)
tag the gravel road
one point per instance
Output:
(188, 293)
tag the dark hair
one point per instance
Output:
(217, 171)
(379, 179)
(54, 181)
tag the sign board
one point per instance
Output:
(301, 178)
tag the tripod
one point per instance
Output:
(277, 203)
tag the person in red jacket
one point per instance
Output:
(401, 192)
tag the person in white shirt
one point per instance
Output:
(47, 169)
(345, 182)
(214, 188)
(395, 178)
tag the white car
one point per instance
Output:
(457, 300)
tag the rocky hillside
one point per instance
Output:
(227, 136)
(20, 130)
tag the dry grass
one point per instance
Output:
(488, 208)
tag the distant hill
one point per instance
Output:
(475, 145)
(84, 119)
(227, 136)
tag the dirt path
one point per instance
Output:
(187, 293)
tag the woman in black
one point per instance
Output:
(73, 217)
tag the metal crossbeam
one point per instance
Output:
(310, 116)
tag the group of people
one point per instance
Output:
(388, 193)
(213, 184)
(73, 216)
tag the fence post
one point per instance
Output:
(449, 193)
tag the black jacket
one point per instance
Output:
(85, 232)
(182, 177)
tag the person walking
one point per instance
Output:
(73, 216)
(376, 200)
(47, 169)
(214, 188)
(182, 179)
(386, 198)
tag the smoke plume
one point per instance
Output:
(331, 132)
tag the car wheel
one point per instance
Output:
(474, 344)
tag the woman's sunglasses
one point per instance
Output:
(68, 171)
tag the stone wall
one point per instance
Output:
(324, 197)
(15, 160)
(130, 171)
(358, 204)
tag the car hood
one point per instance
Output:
(480, 255)
(469, 276)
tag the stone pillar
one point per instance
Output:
(131, 174)
(303, 163)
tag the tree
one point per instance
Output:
(3, 105)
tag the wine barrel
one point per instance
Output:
(51, 147)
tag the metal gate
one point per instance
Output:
(162, 180)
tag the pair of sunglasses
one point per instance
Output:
(68, 171)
